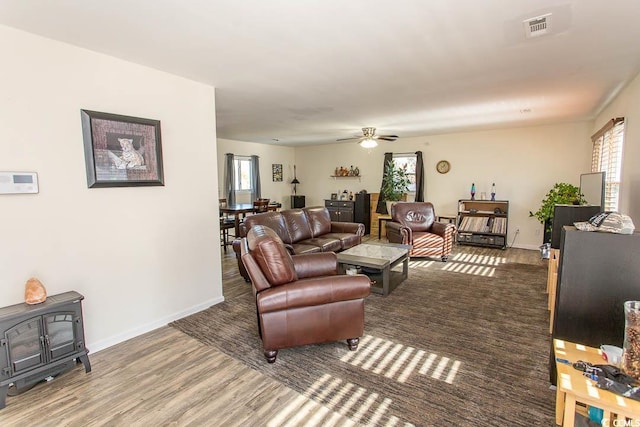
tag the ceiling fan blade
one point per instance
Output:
(350, 139)
(386, 137)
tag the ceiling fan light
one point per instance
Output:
(368, 143)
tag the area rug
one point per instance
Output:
(455, 344)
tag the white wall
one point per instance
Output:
(269, 154)
(627, 105)
(524, 163)
(141, 256)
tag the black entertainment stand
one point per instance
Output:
(40, 341)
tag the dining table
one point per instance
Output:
(239, 209)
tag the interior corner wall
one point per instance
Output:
(627, 105)
(524, 163)
(269, 155)
(141, 256)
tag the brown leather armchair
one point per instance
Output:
(413, 223)
(300, 299)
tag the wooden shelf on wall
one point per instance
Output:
(348, 176)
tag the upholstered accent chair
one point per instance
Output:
(414, 223)
(301, 299)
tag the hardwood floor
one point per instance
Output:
(168, 378)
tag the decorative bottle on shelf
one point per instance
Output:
(356, 171)
(350, 195)
(336, 172)
(631, 346)
(473, 191)
(493, 192)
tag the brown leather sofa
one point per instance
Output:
(300, 299)
(414, 223)
(303, 231)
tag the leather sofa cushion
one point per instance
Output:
(297, 224)
(326, 244)
(273, 220)
(270, 254)
(347, 240)
(313, 291)
(417, 216)
(303, 248)
(319, 220)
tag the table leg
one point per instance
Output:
(405, 268)
(559, 406)
(237, 224)
(379, 228)
(386, 273)
(569, 411)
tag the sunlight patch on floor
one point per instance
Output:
(337, 398)
(399, 362)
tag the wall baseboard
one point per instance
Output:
(132, 333)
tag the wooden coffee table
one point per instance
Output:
(378, 260)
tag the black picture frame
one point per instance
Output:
(121, 151)
(276, 172)
(334, 196)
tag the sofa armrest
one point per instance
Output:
(314, 291)
(314, 265)
(398, 233)
(347, 227)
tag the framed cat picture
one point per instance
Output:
(121, 151)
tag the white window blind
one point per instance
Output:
(607, 157)
(243, 173)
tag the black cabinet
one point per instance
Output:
(357, 210)
(597, 273)
(297, 202)
(40, 340)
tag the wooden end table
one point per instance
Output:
(574, 387)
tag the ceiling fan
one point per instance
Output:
(369, 137)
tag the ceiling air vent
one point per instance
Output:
(538, 26)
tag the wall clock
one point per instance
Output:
(443, 166)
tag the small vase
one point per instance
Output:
(473, 191)
(493, 192)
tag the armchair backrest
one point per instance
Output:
(268, 250)
(418, 216)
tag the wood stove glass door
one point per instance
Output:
(25, 344)
(60, 334)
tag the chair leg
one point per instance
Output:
(271, 355)
(353, 343)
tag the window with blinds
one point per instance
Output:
(607, 157)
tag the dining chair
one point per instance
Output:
(261, 205)
(226, 223)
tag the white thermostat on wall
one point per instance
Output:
(18, 182)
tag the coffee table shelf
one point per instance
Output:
(378, 260)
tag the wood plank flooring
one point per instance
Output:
(166, 378)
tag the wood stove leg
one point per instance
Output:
(85, 361)
(3, 395)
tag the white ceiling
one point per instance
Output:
(313, 71)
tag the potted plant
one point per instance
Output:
(395, 183)
(561, 194)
